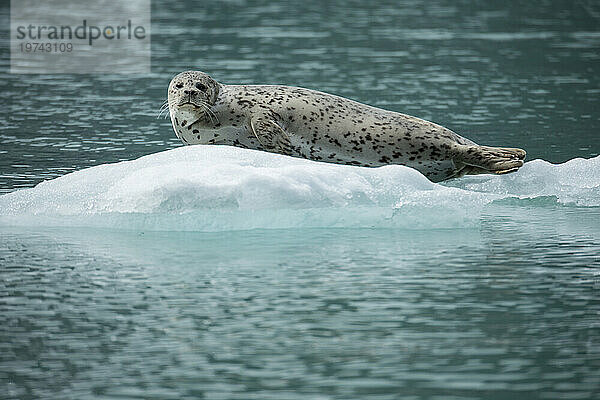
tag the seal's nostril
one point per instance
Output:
(192, 92)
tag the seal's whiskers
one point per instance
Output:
(163, 108)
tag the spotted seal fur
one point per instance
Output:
(323, 127)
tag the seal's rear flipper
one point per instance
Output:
(490, 160)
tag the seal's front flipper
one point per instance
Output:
(271, 135)
(491, 160)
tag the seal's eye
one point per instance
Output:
(201, 86)
(179, 85)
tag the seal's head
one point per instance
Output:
(190, 98)
(192, 89)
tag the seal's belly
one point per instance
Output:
(364, 141)
(435, 168)
(372, 137)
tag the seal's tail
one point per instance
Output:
(489, 160)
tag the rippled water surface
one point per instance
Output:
(227, 274)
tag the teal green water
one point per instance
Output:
(217, 274)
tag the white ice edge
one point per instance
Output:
(212, 188)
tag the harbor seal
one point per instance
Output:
(323, 127)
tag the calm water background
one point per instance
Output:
(509, 309)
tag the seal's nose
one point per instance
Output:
(192, 92)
